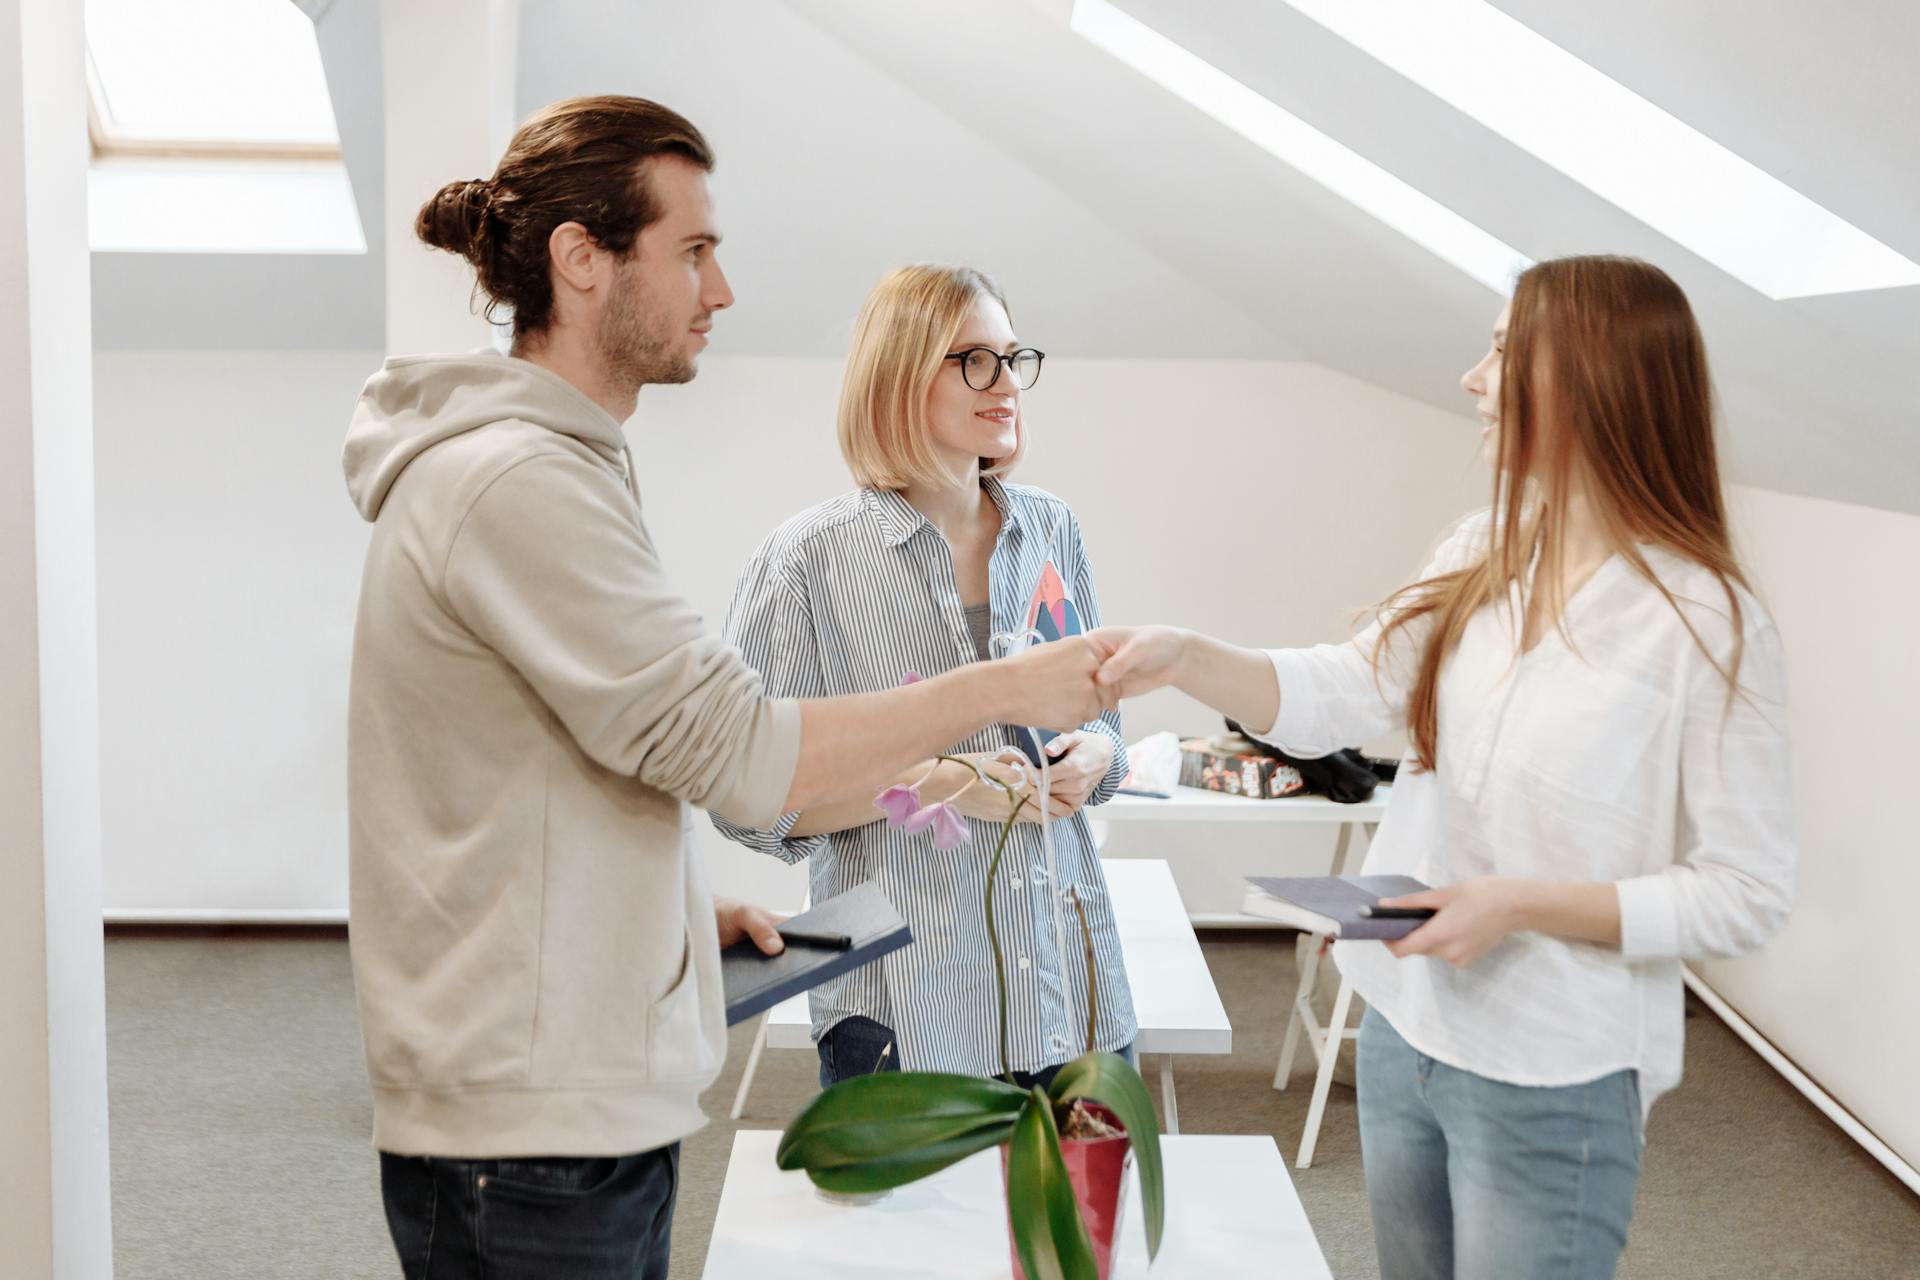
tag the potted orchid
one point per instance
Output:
(1064, 1149)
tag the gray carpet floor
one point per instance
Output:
(240, 1117)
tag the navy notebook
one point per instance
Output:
(756, 982)
(1331, 904)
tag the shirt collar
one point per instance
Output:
(899, 519)
(997, 492)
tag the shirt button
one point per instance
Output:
(1016, 882)
(1024, 962)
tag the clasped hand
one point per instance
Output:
(1076, 763)
(1138, 659)
(1055, 684)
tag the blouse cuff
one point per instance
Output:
(1116, 773)
(1296, 718)
(1649, 917)
(774, 841)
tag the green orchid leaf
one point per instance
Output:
(899, 1096)
(886, 1172)
(887, 1138)
(888, 1129)
(1048, 1232)
(1108, 1079)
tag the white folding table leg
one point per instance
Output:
(1330, 1052)
(1299, 1012)
(1340, 845)
(753, 1063)
(1168, 1103)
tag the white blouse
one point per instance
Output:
(1619, 759)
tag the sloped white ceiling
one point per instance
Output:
(832, 171)
(1821, 396)
(855, 135)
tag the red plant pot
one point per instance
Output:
(1097, 1168)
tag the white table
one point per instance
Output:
(1193, 805)
(1174, 999)
(1231, 1211)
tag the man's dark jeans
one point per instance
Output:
(605, 1218)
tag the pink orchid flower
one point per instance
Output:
(899, 803)
(949, 828)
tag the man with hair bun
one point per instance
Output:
(534, 710)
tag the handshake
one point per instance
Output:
(1068, 682)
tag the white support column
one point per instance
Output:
(447, 73)
(55, 1217)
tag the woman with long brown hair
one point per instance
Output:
(1597, 784)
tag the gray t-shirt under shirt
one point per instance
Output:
(980, 623)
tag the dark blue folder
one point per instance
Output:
(1331, 904)
(756, 982)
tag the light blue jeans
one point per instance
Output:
(1472, 1178)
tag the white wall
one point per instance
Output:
(230, 559)
(229, 569)
(54, 1177)
(1836, 990)
(447, 73)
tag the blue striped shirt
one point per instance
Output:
(847, 597)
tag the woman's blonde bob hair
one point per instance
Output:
(905, 330)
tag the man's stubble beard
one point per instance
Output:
(637, 341)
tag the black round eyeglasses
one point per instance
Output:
(980, 366)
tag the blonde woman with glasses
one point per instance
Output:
(915, 572)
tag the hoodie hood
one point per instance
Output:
(415, 402)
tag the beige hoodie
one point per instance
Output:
(533, 710)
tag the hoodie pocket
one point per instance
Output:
(677, 1047)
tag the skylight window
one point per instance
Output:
(1287, 137)
(1631, 153)
(213, 131)
(207, 74)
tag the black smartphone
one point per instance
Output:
(817, 938)
(1378, 912)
